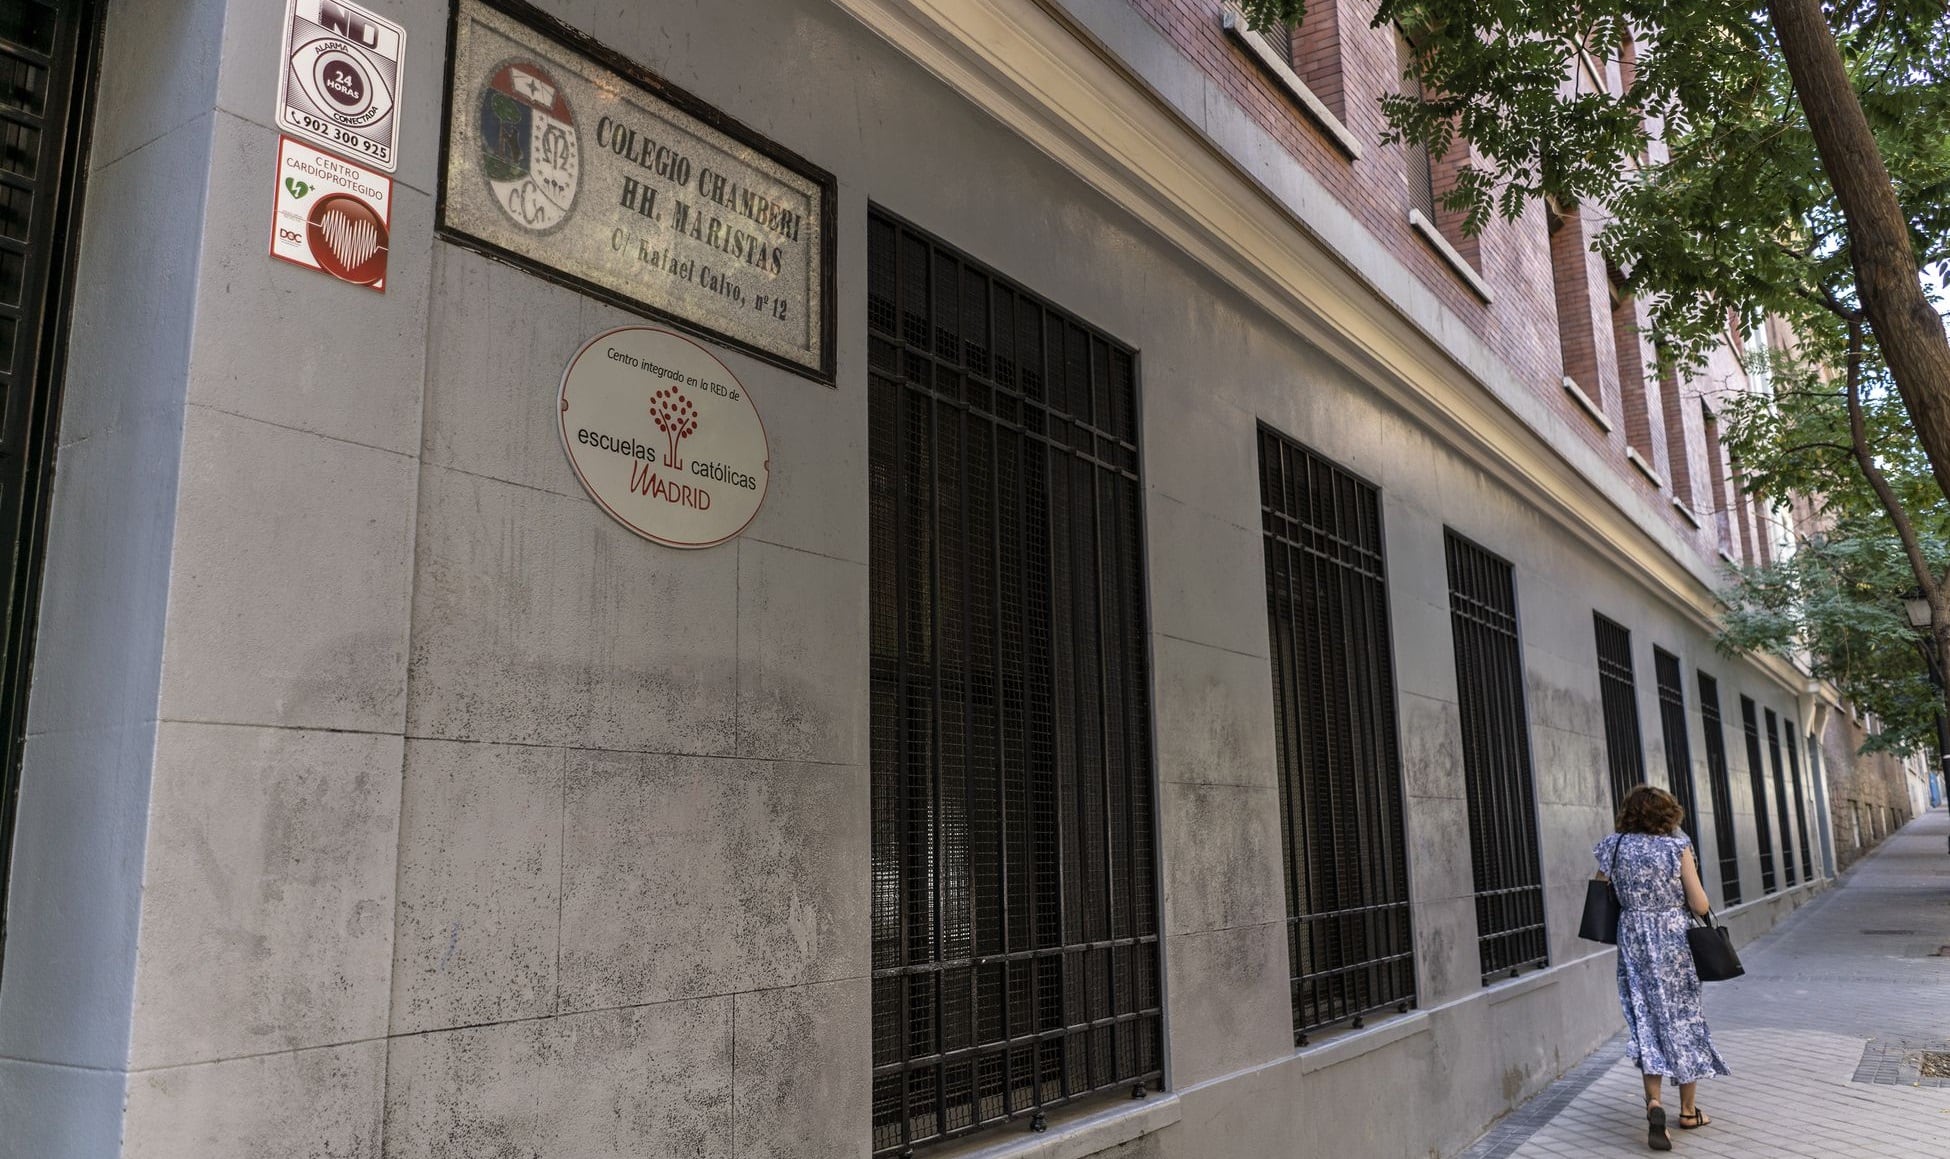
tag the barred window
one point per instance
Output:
(1618, 695)
(1014, 907)
(1628, 347)
(1418, 167)
(1800, 802)
(1780, 795)
(1565, 229)
(1828, 836)
(1763, 831)
(1502, 795)
(1679, 748)
(1313, 49)
(1719, 782)
(1348, 934)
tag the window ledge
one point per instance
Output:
(1456, 261)
(1633, 457)
(1087, 1133)
(1686, 513)
(1253, 42)
(1354, 1044)
(1731, 562)
(1584, 400)
(1518, 987)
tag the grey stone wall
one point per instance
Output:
(445, 816)
(1868, 793)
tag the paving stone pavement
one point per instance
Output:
(1822, 1003)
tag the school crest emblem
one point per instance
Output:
(530, 153)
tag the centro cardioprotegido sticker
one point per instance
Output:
(339, 79)
(331, 215)
(664, 437)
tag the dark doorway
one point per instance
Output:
(47, 72)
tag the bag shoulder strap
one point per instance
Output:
(1617, 841)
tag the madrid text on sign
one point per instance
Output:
(664, 437)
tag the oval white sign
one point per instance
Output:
(664, 437)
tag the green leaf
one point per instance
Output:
(1717, 206)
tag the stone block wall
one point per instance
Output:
(1868, 793)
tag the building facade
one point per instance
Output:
(1871, 795)
(1203, 609)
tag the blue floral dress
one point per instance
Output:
(1658, 986)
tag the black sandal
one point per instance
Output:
(1656, 1136)
(1699, 1119)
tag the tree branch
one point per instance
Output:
(1826, 298)
(1858, 432)
(1817, 446)
(1909, 333)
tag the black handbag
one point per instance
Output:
(1601, 907)
(1712, 947)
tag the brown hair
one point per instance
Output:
(1650, 809)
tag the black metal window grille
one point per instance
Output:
(1618, 695)
(1348, 934)
(1014, 907)
(1496, 761)
(1825, 836)
(1793, 747)
(1720, 784)
(1780, 795)
(1763, 830)
(1679, 747)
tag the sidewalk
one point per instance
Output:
(1824, 1035)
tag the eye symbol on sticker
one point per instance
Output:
(347, 239)
(341, 82)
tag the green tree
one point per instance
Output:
(1837, 601)
(1764, 158)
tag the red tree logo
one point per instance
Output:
(676, 418)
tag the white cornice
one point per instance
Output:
(1031, 66)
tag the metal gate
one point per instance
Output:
(1350, 938)
(1497, 771)
(1679, 750)
(1793, 745)
(1763, 829)
(1720, 785)
(1780, 795)
(1618, 695)
(47, 61)
(1015, 901)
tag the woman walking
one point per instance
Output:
(1651, 866)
